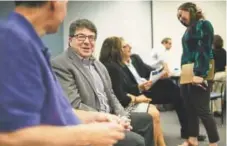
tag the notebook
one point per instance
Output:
(187, 72)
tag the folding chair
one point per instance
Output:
(222, 95)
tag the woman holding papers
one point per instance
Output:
(197, 68)
(111, 57)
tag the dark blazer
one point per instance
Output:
(119, 82)
(123, 81)
(142, 69)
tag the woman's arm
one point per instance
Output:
(117, 84)
(204, 34)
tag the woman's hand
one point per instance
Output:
(145, 86)
(142, 99)
(197, 80)
(139, 99)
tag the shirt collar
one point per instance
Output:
(164, 48)
(129, 63)
(86, 61)
(26, 27)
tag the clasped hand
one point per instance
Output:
(105, 129)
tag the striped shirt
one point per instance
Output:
(88, 64)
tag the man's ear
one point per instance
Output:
(69, 41)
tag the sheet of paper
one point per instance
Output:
(176, 72)
(155, 77)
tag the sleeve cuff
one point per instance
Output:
(198, 74)
(16, 124)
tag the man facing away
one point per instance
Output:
(86, 81)
(160, 54)
(33, 110)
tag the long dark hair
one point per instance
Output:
(111, 50)
(195, 13)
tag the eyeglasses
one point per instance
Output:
(82, 37)
(126, 46)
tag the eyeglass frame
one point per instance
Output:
(86, 36)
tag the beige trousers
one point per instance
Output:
(220, 76)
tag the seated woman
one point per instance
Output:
(111, 57)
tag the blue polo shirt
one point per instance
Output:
(29, 92)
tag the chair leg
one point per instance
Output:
(223, 104)
(211, 106)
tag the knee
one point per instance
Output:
(134, 139)
(204, 114)
(141, 119)
(140, 141)
(142, 122)
(155, 114)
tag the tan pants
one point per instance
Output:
(220, 76)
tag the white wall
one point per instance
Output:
(165, 22)
(130, 19)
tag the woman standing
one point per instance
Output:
(197, 49)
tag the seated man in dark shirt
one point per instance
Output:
(219, 54)
(220, 74)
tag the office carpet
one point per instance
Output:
(171, 130)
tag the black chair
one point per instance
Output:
(222, 95)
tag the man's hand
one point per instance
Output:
(102, 134)
(126, 123)
(197, 80)
(97, 117)
(91, 117)
(145, 86)
(122, 120)
(106, 117)
(86, 116)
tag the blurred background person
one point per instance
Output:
(160, 55)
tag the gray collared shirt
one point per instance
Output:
(88, 64)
